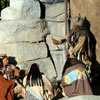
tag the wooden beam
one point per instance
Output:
(65, 17)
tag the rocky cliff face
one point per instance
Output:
(25, 34)
(26, 28)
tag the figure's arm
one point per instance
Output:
(47, 83)
(57, 42)
(24, 81)
(79, 44)
(48, 87)
(63, 84)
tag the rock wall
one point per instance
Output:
(25, 35)
(27, 38)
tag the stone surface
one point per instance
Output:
(59, 58)
(45, 65)
(55, 10)
(22, 31)
(24, 51)
(57, 28)
(55, 17)
(57, 53)
(22, 38)
(88, 97)
(23, 8)
(53, 47)
(31, 10)
(9, 14)
(18, 3)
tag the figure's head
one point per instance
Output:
(35, 73)
(4, 60)
(22, 74)
(77, 21)
(34, 68)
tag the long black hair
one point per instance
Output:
(70, 62)
(1, 60)
(34, 76)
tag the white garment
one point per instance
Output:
(39, 89)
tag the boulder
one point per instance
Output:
(57, 28)
(24, 51)
(24, 9)
(46, 66)
(22, 31)
(59, 58)
(9, 14)
(57, 53)
(55, 10)
(31, 9)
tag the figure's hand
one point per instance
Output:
(26, 73)
(16, 72)
(67, 37)
(71, 56)
(55, 42)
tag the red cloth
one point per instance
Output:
(6, 89)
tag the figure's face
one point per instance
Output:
(74, 25)
(5, 61)
(73, 28)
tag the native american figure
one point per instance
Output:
(77, 42)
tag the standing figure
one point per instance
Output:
(37, 85)
(75, 79)
(78, 42)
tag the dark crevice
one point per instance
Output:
(42, 6)
(34, 59)
(49, 55)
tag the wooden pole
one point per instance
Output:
(65, 17)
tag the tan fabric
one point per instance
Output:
(80, 45)
(19, 91)
(39, 89)
(16, 72)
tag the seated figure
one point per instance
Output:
(37, 85)
(78, 42)
(75, 79)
